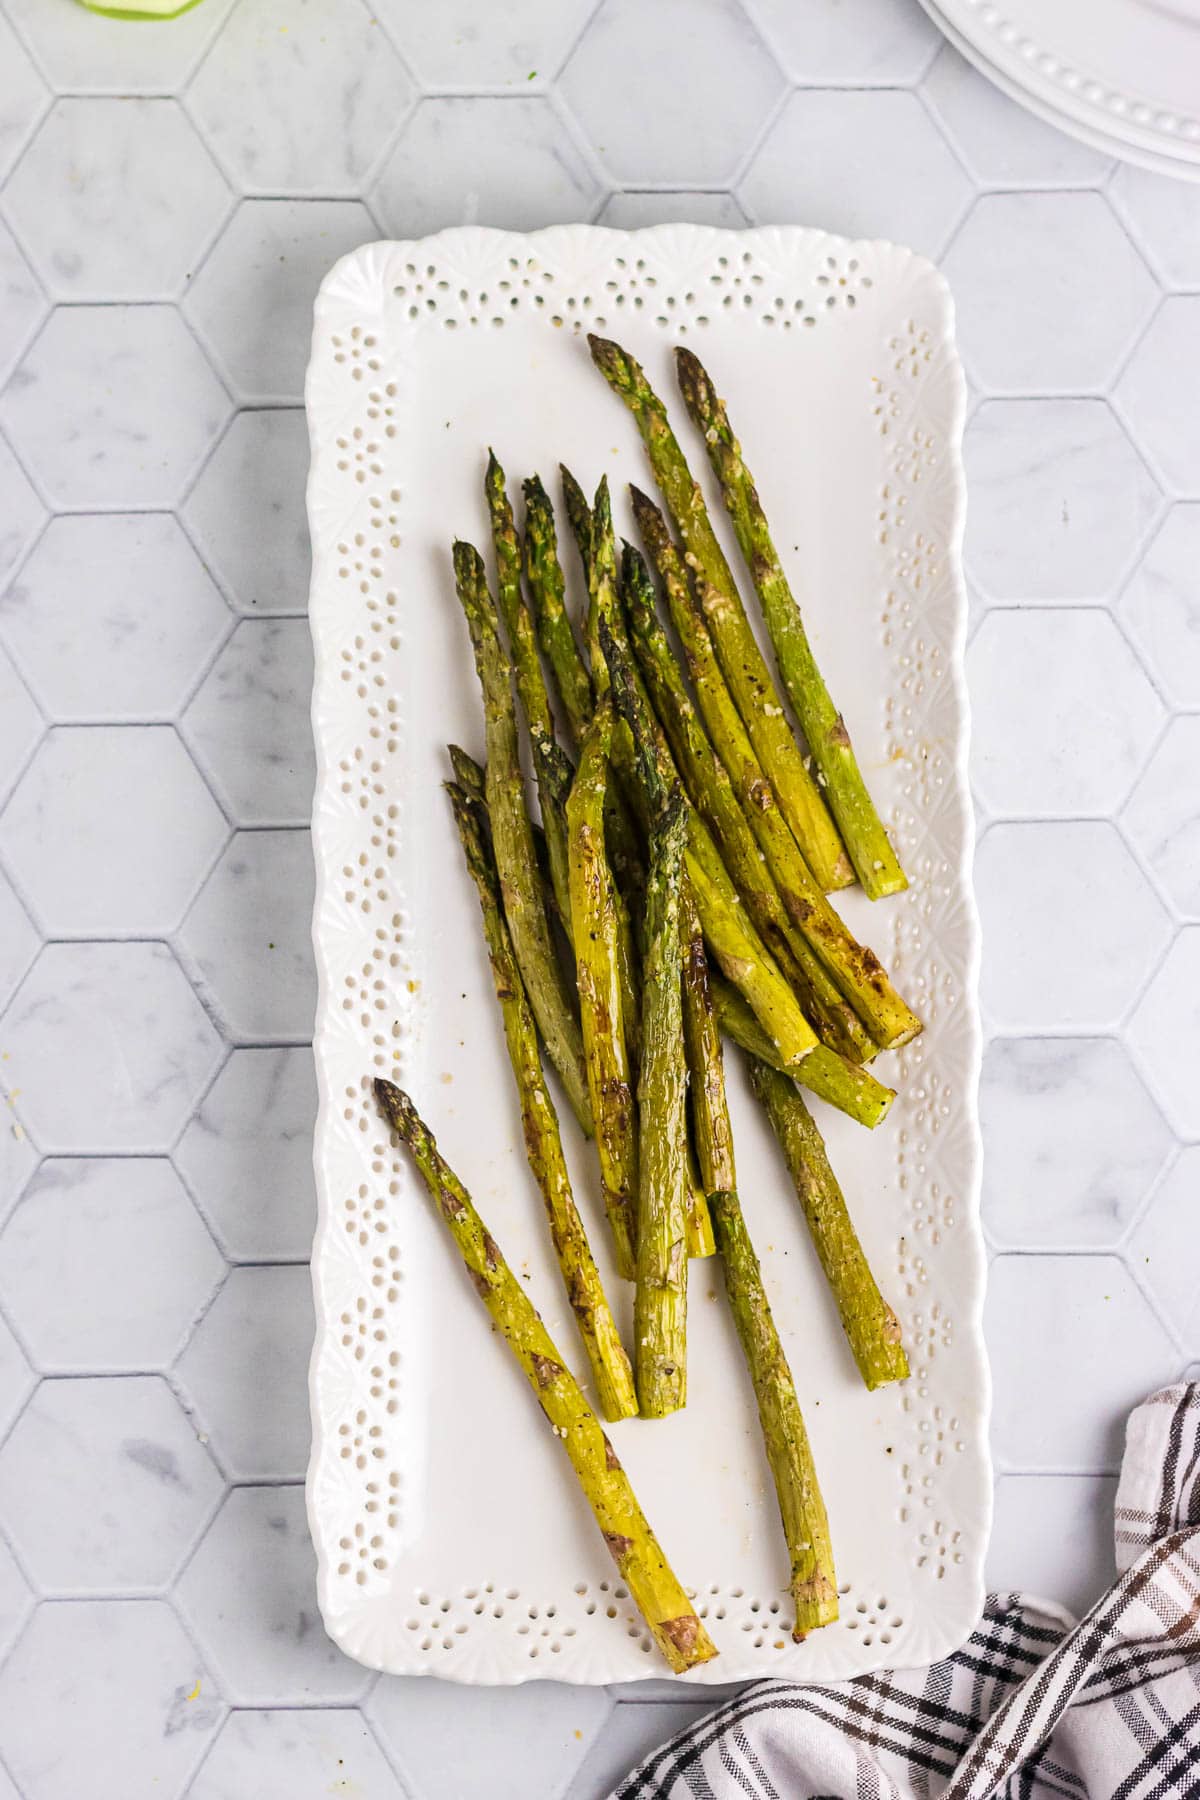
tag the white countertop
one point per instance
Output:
(171, 195)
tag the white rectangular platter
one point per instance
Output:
(450, 1536)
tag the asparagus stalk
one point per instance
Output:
(745, 667)
(606, 1356)
(546, 588)
(856, 970)
(579, 517)
(875, 861)
(516, 859)
(660, 1298)
(832, 1078)
(711, 791)
(698, 1231)
(871, 1326)
(640, 1561)
(712, 1132)
(602, 1006)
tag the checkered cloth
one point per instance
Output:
(1031, 1706)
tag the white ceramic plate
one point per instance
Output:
(449, 1533)
(1119, 74)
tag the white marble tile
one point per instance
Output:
(883, 43)
(1165, 364)
(113, 616)
(105, 1264)
(1161, 606)
(22, 514)
(138, 199)
(632, 211)
(249, 1593)
(718, 66)
(16, 1602)
(633, 1731)
(1002, 143)
(249, 727)
(450, 1740)
(1156, 1249)
(1059, 499)
(1029, 312)
(247, 1155)
(1071, 928)
(141, 1048)
(1074, 1142)
(252, 301)
(19, 941)
(1052, 1536)
(301, 109)
(22, 302)
(1082, 743)
(1165, 1032)
(114, 406)
(90, 867)
(22, 97)
(296, 1756)
(18, 1153)
(262, 1320)
(21, 724)
(1164, 217)
(104, 1485)
(475, 44)
(248, 936)
(1062, 1328)
(246, 512)
(82, 53)
(865, 164)
(16, 1378)
(506, 162)
(1162, 820)
(123, 1673)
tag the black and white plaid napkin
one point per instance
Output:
(1030, 1707)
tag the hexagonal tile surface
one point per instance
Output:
(1053, 1535)
(1074, 1141)
(246, 512)
(248, 935)
(1154, 1249)
(718, 63)
(249, 723)
(1084, 740)
(249, 1591)
(18, 1156)
(632, 211)
(533, 174)
(104, 1264)
(305, 1755)
(882, 42)
(1161, 606)
(16, 1601)
(123, 1672)
(127, 378)
(1162, 1028)
(81, 52)
(18, 940)
(16, 1378)
(1161, 818)
(248, 1155)
(262, 1320)
(142, 1049)
(1055, 327)
(865, 164)
(448, 1740)
(1061, 524)
(103, 1484)
(89, 867)
(1000, 142)
(113, 617)
(468, 43)
(1052, 1324)
(1164, 217)
(22, 98)
(22, 302)
(305, 110)
(23, 513)
(1071, 929)
(1166, 361)
(139, 198)
(21, 724)
(630, 1734)
(252, 301)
